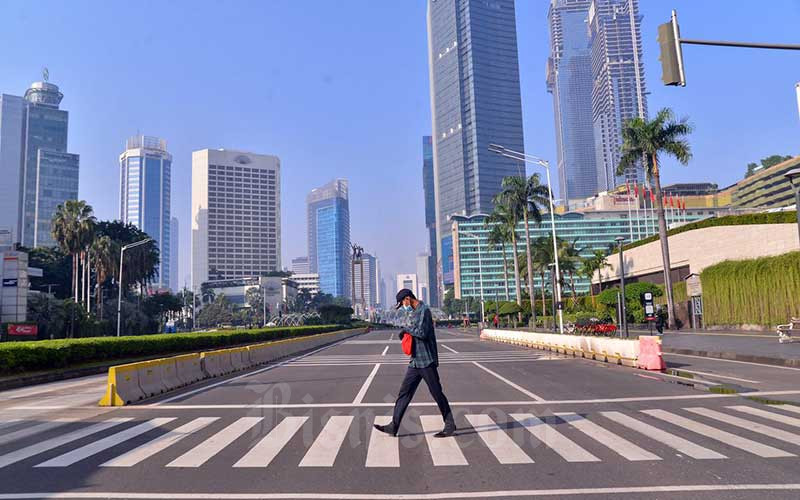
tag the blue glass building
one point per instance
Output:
(145, 181)
(475, 101)
(430, 219)
(329, 237)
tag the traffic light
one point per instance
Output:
(671, 56)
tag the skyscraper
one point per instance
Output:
(430, 219)
(300, 265)
(144, 199)
(475, 101)
(370, 284)
(329, 237)
(423, 278)
(49, 175)
(618, 91)
(12, 109)
(569, 79)
(236, 215)
(174, 255)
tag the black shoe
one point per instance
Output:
(388, 429)
(449, 430)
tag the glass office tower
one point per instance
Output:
(145, 179)
(475, 101)
(329, 237)
(430, 219)
(569, 79)
(12, 109)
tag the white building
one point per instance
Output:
(236, 215)
(307, 281)
(369, 287)
(423, 280)
(407, 281)
(300, 265)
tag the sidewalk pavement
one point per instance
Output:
(755, 348)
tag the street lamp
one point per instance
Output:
(480, 266)
(535, 160)
(121, 258)
(623, 308)
(794, 180)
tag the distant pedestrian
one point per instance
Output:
(661, 317)
(423, 365)
(496, 321)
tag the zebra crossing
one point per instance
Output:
(444, 358)
(514, 439)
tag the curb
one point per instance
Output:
(732, 356)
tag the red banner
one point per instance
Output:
(22, 330)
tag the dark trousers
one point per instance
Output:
(410, 383)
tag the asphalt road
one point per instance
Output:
(530, 425)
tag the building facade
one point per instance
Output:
(569, 79)
(236, 215)
(618, 88)
(300, 265)
(475, 101)
(307, 282)
(768, 188)
(407, 281)
(174, 255)
(145, 195)
(366, 284)
(328, 211)
(423, 278)
(430, 219)
(12, 109)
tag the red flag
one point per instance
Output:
(652, 196)
(671, 201)
(636, 190)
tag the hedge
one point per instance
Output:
(17, 357)
(789, 217)
(763, 291)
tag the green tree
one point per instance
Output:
(769, 161)
(504, 216)
(218, 312)
(594, 264)
(649, 139)
(159, 305)
(72, 228)
(103, 251)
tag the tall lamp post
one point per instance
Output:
(121, 259)
(480, 267)
(535, 160)
(623, 305)
(794, 180)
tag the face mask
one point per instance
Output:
(408, 308)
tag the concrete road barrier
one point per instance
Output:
(212, 364)
(189, 368)
(122, 386)
(151, 379)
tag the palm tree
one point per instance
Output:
(594, 264)
(504, 216)
(71, 224)
(569, 260)
(499, 235)
(105, 262)
(648, 139)
(526, 197)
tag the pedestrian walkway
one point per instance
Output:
(520, 439)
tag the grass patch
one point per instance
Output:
(718, 389)
(766, 401)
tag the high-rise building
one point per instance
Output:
(329, 237)
(569, 79)
(430, 219)
(409, 281)
(12, 109)
(49, 174)
(423, 278)
(384, 299)
(368, 286)
(144, 199)
(308, 282)
(174, 255)
(300, 265)
(618, 90)
(475, 101)
(236, 214)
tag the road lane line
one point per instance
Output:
(449, 348)
(158, 444)
(677, 443)
(716, 375)
(556, 441)
(34, 429)
(383, 450)
(385, 350)
(96, 447)
(730, 439)
(268, 448)
(203, 452)
(616, 443)
(444, 451)
(365, 387)
(512, 384)
(326, 447)
(499, 443)
(777, 417)
(748, 424)
(792, 408)
(49, 444)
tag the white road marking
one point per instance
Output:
(679, 444)
(763, 365)
(385, 350)
(792, 408)
(34, 429)
(449, 348)
(262, 454)
(748, 424)
(59, 387)
(499, 443)
(383, 450)
(638, 491)
(203, 452)
(49, 444)
(556, 441)
(268, 448)
(444, 451)
(158, 444)
(512, 384)
(777, 417)
(326, 447)
(727, 438)
(716, 375)
(616, 443)
(96, 447)
(365, 387)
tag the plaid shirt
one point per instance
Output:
(419, 323)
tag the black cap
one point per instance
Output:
(401, 296)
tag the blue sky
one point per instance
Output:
(340, 89)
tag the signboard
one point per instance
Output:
(22, 330)
(649, 309)
(693, 286)
(697, 305)
(10, 281)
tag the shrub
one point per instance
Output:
(332, 313)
